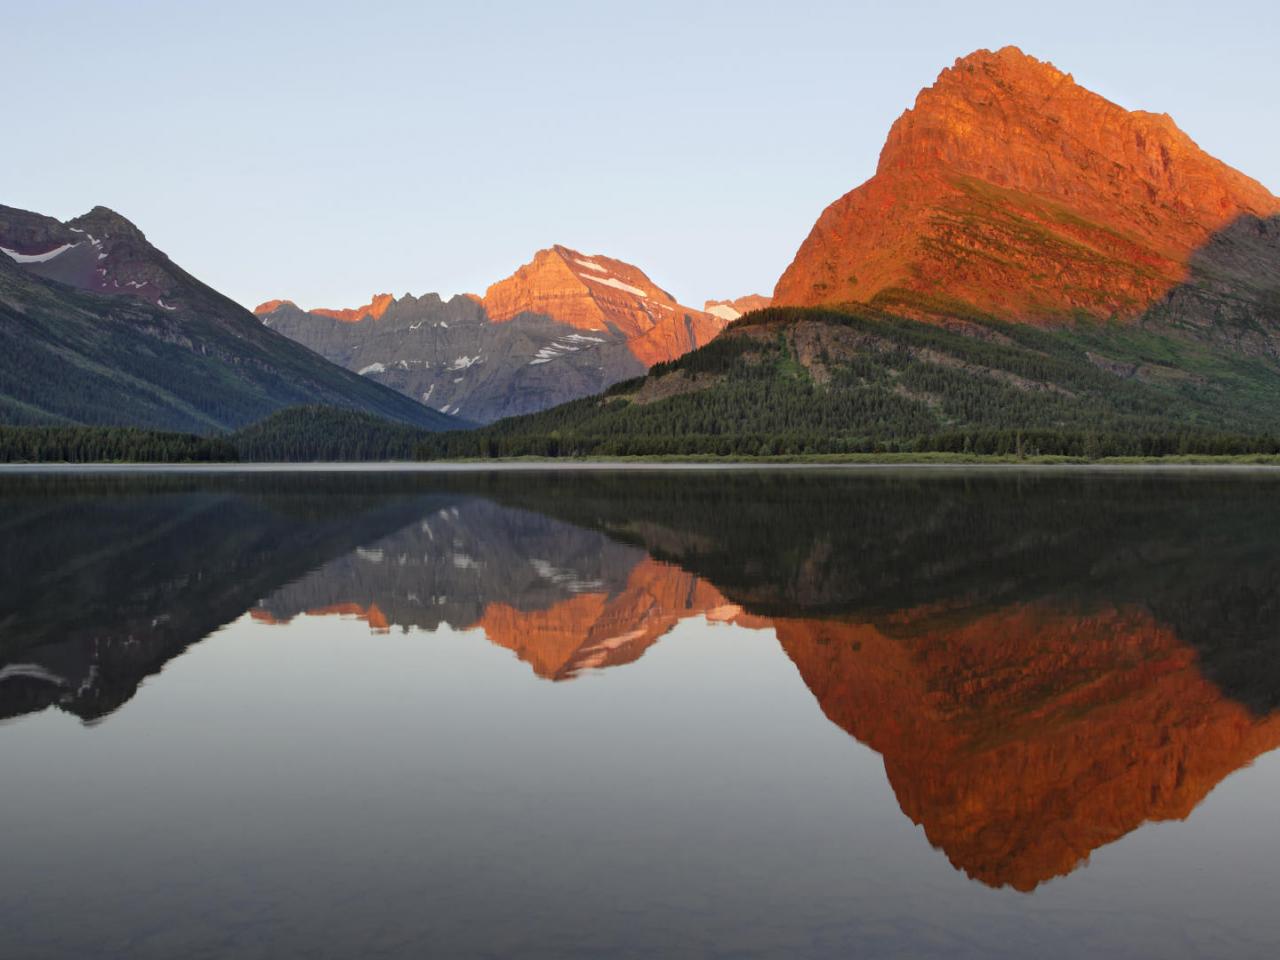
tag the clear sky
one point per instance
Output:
(326, 151)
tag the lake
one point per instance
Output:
(640, 713)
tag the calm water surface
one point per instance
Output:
(640, 714)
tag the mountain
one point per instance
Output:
(1029, 259)
(565, 325)
(1010, 190)
(97, 326)
(733, 309)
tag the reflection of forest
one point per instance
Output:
(1043, 662)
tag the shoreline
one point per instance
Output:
(1241, 464)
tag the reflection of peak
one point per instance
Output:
(1024, 739)
(593, 604)
(593, 630)
(450, 565)
(375, 618)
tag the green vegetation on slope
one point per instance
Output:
(823, 381)
(76, 444)
(325, 434)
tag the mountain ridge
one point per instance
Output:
(562, 326)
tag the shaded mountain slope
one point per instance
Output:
(99, 327)
(449, 356)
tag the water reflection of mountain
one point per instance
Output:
(562, 597)
(1194, 550)
(103, 581)
(1044, 663)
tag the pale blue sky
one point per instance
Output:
(326, 151)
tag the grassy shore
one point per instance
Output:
(1246, 459)
(850, 459)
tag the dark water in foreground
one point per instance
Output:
(640, 715)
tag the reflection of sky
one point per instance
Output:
(326, 151)
(311, 785)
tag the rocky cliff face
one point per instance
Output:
(1011, 189)
(373, 310)
(564, 326)
(451, 357)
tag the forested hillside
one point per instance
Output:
(823, 380)
(294, 435)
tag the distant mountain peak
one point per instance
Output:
(731, 310)
(600, 293)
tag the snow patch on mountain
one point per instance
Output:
(38, 257)
(618, 285)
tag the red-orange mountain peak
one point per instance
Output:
(595, 292)
(1011, 188)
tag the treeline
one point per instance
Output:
(77, 444)
(297, 434)
(316, 433)
(1002, 443)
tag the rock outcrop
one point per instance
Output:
(373, 310)
(1010, 189)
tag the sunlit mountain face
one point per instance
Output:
(1043, 662)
